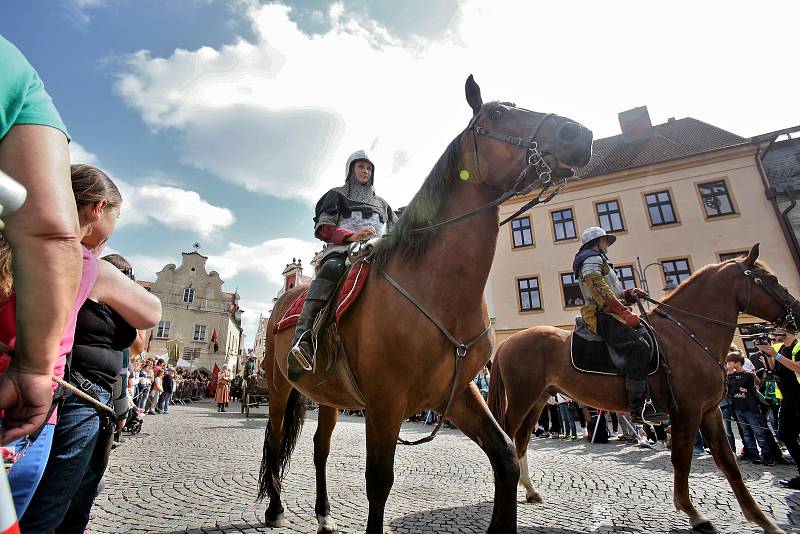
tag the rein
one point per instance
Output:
(784, 319)
(460, 352)
(533, 161)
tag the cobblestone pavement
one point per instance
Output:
(195, 471)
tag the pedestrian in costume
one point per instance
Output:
(606, 315)
(223, 393)
(346, 214)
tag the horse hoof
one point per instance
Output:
(326, 524)
(532, 496)
(279, 521)
(705, 527)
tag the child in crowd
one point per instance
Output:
(742, 398)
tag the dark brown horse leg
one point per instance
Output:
(274, 514)
(383, 427)
(714, 436)
(521, 439)
(322, 447)
(471, 415)
(684, 431)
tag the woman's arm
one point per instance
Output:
(140, 308)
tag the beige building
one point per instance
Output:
(200, 324)
(678, 196)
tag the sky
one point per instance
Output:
(223, 121)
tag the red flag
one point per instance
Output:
(212, 385)
(215, 340)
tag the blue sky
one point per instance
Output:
(224, 120)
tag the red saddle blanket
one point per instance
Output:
(351, 288)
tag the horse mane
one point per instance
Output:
(423, 207)
(707, 270)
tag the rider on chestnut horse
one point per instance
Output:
(606, 316)
(344, 215)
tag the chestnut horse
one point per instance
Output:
(400, 361)
(532, 364)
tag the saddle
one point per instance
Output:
(591, 354)
(354, 281)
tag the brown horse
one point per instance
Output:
(534, 363)
(402, 363)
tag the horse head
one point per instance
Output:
(760, 293)
(512, 148)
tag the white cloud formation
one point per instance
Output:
(268, 258)
(78, 154)
(173, 207)
(281, 114)
(168, 205)
(77, 10)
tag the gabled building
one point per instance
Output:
(677, 195)
(200, 323)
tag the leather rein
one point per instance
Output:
(751, 274)
(533, 161)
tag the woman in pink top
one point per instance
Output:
(98, 202)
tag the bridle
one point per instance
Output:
(533, 163)
(754, 276)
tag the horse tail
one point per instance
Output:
(275, 463)
(497, 392)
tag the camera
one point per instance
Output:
(759, 334)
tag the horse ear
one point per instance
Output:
(752, 256)
(473, 91)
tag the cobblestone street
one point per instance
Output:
(195, 470)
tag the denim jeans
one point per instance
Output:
(757, 424)
(26, 473)
(65, 495)
(154, 395)
(163, 402)
(566, 419)
(141, 395)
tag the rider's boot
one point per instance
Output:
(642, 408)
(301, 355)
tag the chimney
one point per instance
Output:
(635, 123)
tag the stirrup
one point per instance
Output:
(299, 355)
(654, 417)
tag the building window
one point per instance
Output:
(626, 276)
(162, 331)
(659, 206)
(191, 353)
(725, 256)
(610, 216)
(529, 297)
(571, 290)
(563, 224)
(199, 332)
(716, 200)
(676, 271)
(521, 231)
(188, 294)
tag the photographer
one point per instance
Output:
(782, 359)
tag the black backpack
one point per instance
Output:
(602, 429)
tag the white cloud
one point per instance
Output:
(77, 11)
(268, 258)
(357, 85)
(173, 207)
(78, 154)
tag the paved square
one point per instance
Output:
(195, 471)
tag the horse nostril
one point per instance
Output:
(569, 132)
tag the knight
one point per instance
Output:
(606, 316)
(344, 215)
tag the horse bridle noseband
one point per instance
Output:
(532, 161)
(787, 319)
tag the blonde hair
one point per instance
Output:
(90, 185)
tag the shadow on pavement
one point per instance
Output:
(475, 518)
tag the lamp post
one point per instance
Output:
(643, 275)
